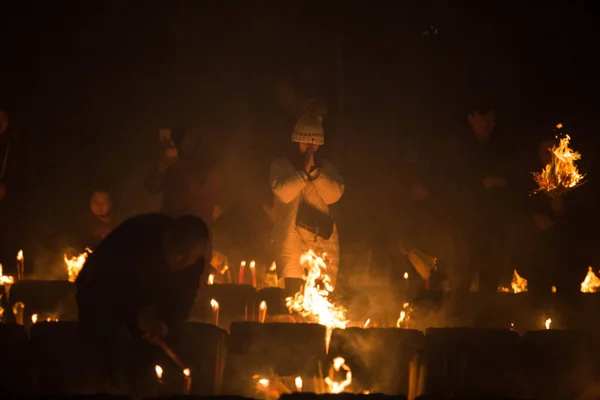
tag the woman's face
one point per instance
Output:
(101, 204)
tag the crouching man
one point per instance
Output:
(140, 282)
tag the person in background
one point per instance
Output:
(304, 188)
(478, 192)
(99, 220)
(143, 277)
(187, 177)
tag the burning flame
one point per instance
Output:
(591, 283)
(404, 316)
(367, 322)
(34, 318)
(214, 304)
(20, 255)
(263, 382)
(74, 264)
(211, 279)
(159, 371)
(5, 279)
(338, 387)
(548, 323)
(313, 299)
(298, 382)
(187, 372)
(263, 305)
(553, 289)
(518, 284)
(273, 266)
(561, 174)
(252, 264)
(406, 275)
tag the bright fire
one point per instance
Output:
(591, 283)
(298, 382)
(5, 279)
(159, 371)
(548, 323)
(338, 387)
(561, 173)
(313, 299)
(404, 316)
(74, 264)
(518, 284)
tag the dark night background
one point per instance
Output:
(87, 84)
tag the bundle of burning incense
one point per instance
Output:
(561, 174)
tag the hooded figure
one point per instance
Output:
(304, 188)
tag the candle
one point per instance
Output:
(241, 276)
(548, 323)
(215, 307)
(211, 279)
(20, 265)
(298, 382)
(7, 282)
(253, 271)
(34, 318)
(18, 310)
(406, 283)
(187, 381)
(262, 311)
(159, 382)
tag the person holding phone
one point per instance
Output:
(187, 177)
(304, 188)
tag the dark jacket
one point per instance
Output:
(128, 272)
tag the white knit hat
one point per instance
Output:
(309, 129)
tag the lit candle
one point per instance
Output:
(187, 381)
(159, 382)
(7, 282)
(241, 275)
(298, 382)
(262, 311)
(18, 310)
(215, 307)
(253, 271)
(34, 318)
(406, 282)
(211, 279)
(548, 323)
(20, 265)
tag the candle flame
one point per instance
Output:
(263, 305)
(252, 264)
(34, 318)
(214, 304)
(553, 289)
(368, 321)
(273, 266)
(298, 382)
(406, 275)
(211, 279)
(548, 323)
(159, 371)
(20, 255)
(187, 372)
(243, 263)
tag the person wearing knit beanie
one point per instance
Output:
(303, 190)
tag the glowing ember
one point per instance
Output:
(561, 173)
(313, 299)
(74, 264)
(553, 289)
(404, 316)
(338, 387)
(548, 323)
(298, 382)
(159, 371)
(591, 283)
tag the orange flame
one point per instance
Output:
(591, 283)
(335, 387)
(74, 264)
(5, 279)
(313, 299)
(561, 173)
(20, 255)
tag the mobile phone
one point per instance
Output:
(164, 135)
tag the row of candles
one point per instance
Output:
(242, 273)
(160, 384)
(262, 311)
